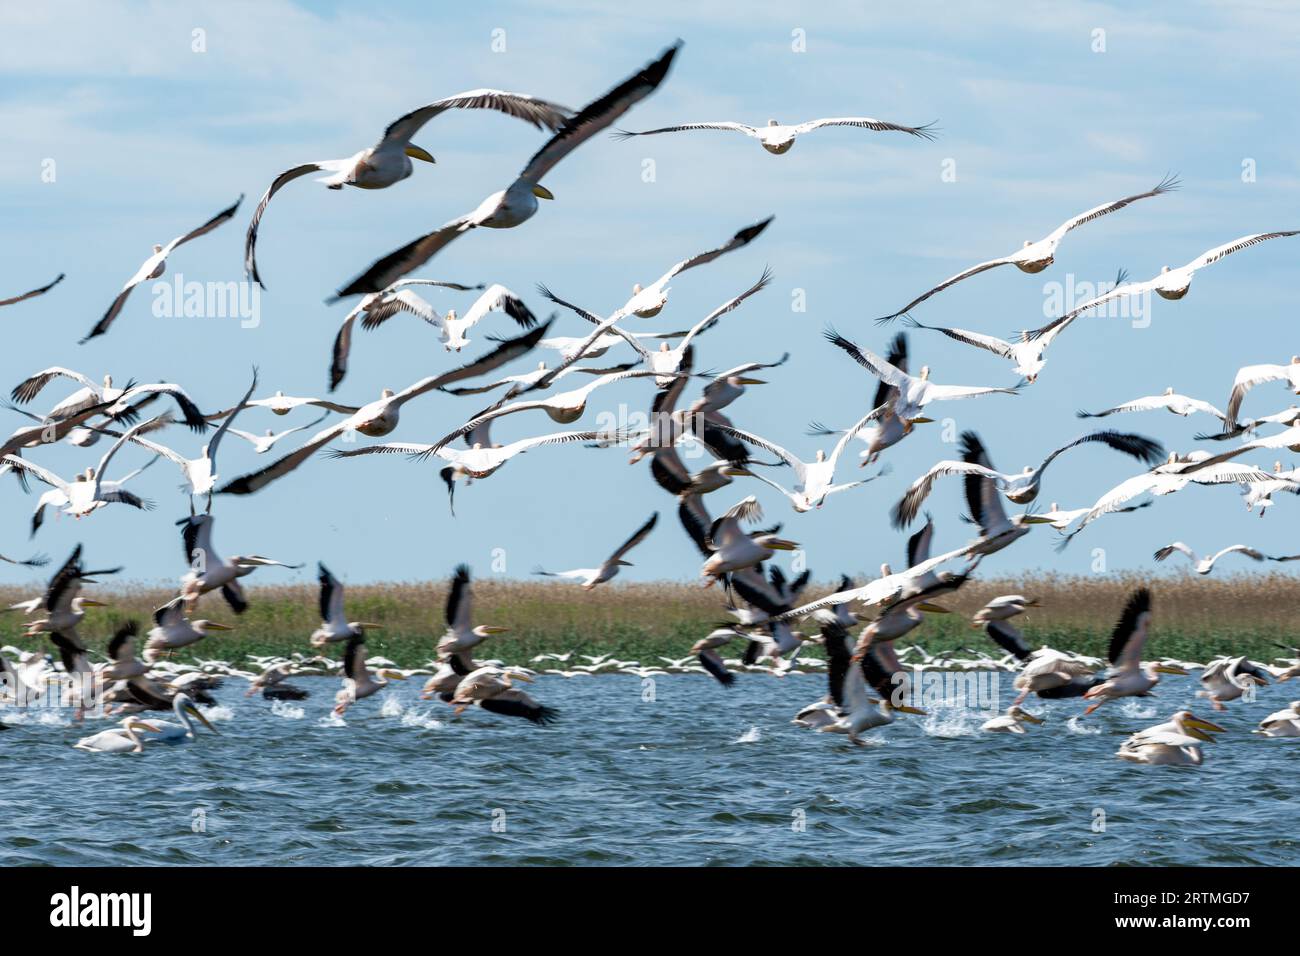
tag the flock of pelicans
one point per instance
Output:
(866, 676)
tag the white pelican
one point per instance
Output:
(13, 300)
(1261, 492)
(1003, 608)
(913, 394)
(155, 265)
(814, 480)
(335, 625)
(1169, 284)
(493, 690)
(520, 383)
(358, 682)
(1128, 677)
(381, 416)
(377, 308)
(1282, 723)
(1252, 375)
(282, 404)
(777, 139)
(1177, 742)
(118, 400)
(594, 345)
(172, 629)
(265, 442)
(667, 360)
(63, 606)
(477, 462)
(726, 545)
(57, 498)
(590, 577)
(119, 740)
(88, 492)
(887, 430)
(1169, 400)
(461, 636)
(1206, 565)
(271, 682)
(1227, 679)
(1287, 417)
(186, 712)
(858, 710)
(705, 651)
(518, 202)
(389, 160)
(1012, 722)
(1022, 487)
(1034, 257)
(210, 572)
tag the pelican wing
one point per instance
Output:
(988, 342)
(873, 363)
(742, 238)
(34, 293)
(866, 122)
(726, 125)
(1170, 549)
(288, 176)
(1130, 634)
(712, 318)
(637, 537)
(459, 600)
(775, 449)
(30, 387)
(1247, 378)
(1168, 184)
(254, 481)
(950, 281)
(909, 506)
(498, 298)
(531, 109)
(385, 271)
(1228, 248)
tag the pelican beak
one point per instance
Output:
(1199, 735)
(418, 152)
(932, 608)
(908, 709)
(154, 728)
(737, 471)
(495, 629)
(1033, 603)
(526, 678)
(198, 715)
(920, 421)
(1036, 519)
(1170, 669)
(625, 564)
(392, 674)
(1204, 725)
(752, 381)
(214, 626)
(88, 602)
(367, 626)
(780, 544)
(541, 192)
(1029, 718)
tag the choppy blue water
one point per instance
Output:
(698, 776)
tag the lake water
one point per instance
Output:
(698, 776)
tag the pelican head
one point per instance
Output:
(772, 122)
(821, 455)
(157, 248)
(1015, 711)
(663, 347)
(388, 392)
(541, 192)
(885, 571)
(185, 708)
(636, 288)
(419, 152)
(925, 373)
(1027, 244)
(1193, 726)
(1164, 269)
(108, 381)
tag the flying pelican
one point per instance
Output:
(1128, 677)
(377, 308)
(1025, 356)
(155, 265)
(381, 416)
(1012, 722)
(389, 160)
(1034, 257)
(521, 382)
(590, 577)
(706, 652)
(1252, 375)
(172, 630)
(913, 394)
(888, 430)
(186, 711)
(33, 294)
(477, 462)
(271, 682)
(91, 395)
(119, 740)
(335, 625)
(1021, 488)
(62, 602)
(264, 443)
(210, 572)
(493, 690)
(778, 139)
(1003, 608)
(36, 561)
(1174, 743)
(282, 404)
(518, 202)
(1169, 400)
(1228, 678)
(726, 546)
(1261, 492)
(1206, 565)
(1282, 723)
(461, 637)
(1169, 284)
(857, 709)
(358, 682)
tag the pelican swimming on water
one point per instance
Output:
(389, 160)
(1282, 723)
(1176, 742)
(777, 138)
(517, 203)
(591, 577)
(119, 740)
(186, 711)
(1011, 722)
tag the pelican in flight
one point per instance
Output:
(1169, 400)
(58, 498)
(172, 630)
(62, 602)
(851, 680)
(335, 626)
(1206, 565)
(381, 416)
(462, 636)
(1023, 487)
(1177, 742)
(1169, 284)
(493, 689)
(389, 160)
(1228, 679)
(210, 572)
(36, 561)
(1003, 608)
(268, 440)
(124, 739)
(913, 394)
(1034, 257)
(590, 577)
(1282, 723)
(1128, 678)
(358, 681)
(1025, 356)
(1252, 375)
(777, 139)
(282, 404)
(517, 203)
(14, 300)
(726, 546)
(887, 430)
(1012, 722)
(155, 265)
(118, 400)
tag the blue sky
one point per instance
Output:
(150, 138)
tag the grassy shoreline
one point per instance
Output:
(1195, 618)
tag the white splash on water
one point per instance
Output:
(217, 712)
(288, 711)
(1132, 708)
(331, 720)
(1076, 726)
(392, 707)
(751, 736)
